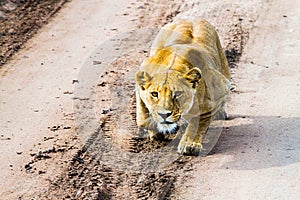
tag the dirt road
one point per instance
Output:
(36, 90)
(257, 156)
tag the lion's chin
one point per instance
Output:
(166, 128)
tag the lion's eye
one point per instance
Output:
(154, 94)
(177, 94)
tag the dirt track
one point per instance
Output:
(257, 156)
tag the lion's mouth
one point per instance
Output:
(167, 127)
(167, 122)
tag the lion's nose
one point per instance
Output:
(164, 115)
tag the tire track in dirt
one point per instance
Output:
(88, 178)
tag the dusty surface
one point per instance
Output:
(20, 20)
(257, 156)
(44, 157)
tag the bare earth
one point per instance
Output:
(257, 156)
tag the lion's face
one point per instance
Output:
(167, 96)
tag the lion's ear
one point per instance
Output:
(142, 78)
(193, 76)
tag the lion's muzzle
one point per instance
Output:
(166, 122)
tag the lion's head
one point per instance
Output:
(168, 96)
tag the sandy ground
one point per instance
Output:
(35, 85)
(20, 20)
(258, 153)
(257, 156)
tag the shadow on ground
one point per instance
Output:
(258, 142)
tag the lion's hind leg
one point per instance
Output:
(221, 114)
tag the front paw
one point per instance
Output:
(189, 148)
(156, 136)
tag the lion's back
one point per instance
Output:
(198, 33)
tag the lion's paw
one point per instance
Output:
(189, 148)
(156, 136)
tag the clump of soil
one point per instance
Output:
(20, 20)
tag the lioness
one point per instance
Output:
(185, 77)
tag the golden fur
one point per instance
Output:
(186, 78)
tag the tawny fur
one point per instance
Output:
(186, 77)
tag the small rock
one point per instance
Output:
(96, 62)
(68, 92)
(102, 84)
(54, 128)
(105, 112)
(41, 172)
(28, 166)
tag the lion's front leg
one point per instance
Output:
(144, 122)
(142, 113)
(191, 141)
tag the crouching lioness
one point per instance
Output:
(185, 78)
